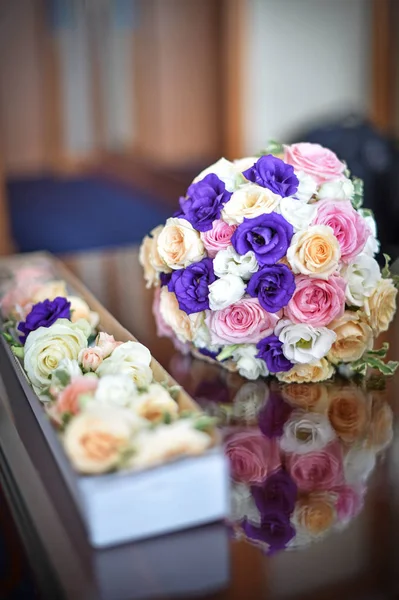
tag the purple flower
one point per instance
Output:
(275, 530)
(165, 278)
(191, 285)
(268, 236)
(44, 314)
(273, 286)
(271, 351)
(273, 173)
(278, 493)
(205, 202)
(272, 417)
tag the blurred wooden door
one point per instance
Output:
(6, 245)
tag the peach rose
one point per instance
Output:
(308, 373)
(354, 338)
(155, 403)
(179, 244)
(150, 259)
(306, 395)
(315, 513)
(380, 307)
(348, 412)
(90, 358)
(217, 238)
(321, 163)
(49, 291)
(96, 439)
(315, 252)
(380, 432)
(68, 400)
(184, 326)
(244, 322)
(317, 470)
(106, 343)
(252, 456)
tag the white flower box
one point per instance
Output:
(121, 506)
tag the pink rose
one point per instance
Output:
(106, 343)
(322, 164)
(252, 456)
(348, 226)
(349, 501)
(163, 329)
(38, 273)
(316, 302)
(68, 400)
(17, 302)
(217, 238)
(90, 358)
(244, 322)
(319, 470)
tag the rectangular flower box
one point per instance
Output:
(121, 506)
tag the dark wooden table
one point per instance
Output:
(359, 563)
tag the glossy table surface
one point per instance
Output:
(344, 549)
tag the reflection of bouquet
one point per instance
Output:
(268, 267)
(300, 470)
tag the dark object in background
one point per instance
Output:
(375, 159)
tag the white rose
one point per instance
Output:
(307, 187)
(228, 261)
(306, 432)
(226, 171)
(249, 201)
(46, 347)
(243, 504)
(304, 343)
(130, 358)
(66, 372)
(155, 403)
(179, 244)
(202, 338)
(242, 164)
(167, 442)
(372, 246)
(249, 400)
(362, 276)
(299, 214)
(115, 390)
(96, 439)
(225, 291)
(336, 189)
(358, 464)
(247, 364)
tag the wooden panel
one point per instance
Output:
(383, 65)
(177, 54)
(6, 246)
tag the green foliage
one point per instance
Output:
(386, 271)
(273, 147)
(357, 199)
(227, 352)
(374, 360)
(204, 422)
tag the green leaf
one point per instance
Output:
(66, 417)
(8, 338)
(357, 199)
(381, 352)
(272, 147)
(167, 419)
(63, 377)
(227, 352)
(174, 391)
(204, 422)
(186, 414)
(388, 368)
(18, 351)
(386, 272)
(92, 338)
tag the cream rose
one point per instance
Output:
(96, 439)
(249, 201)
(155, 403)
(130, 358)
(150, 259)
(49, 291)
(81, 310)
(314, 252)
(184, 326)
(354, 338)
(306, 373)
(227, 172)
(168, 442)
(179, 244)
(46, 347)
(380, 307)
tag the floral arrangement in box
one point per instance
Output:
(100, 394)
(268, 268)
(300, 454)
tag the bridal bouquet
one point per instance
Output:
(268, 268)
(101, 394)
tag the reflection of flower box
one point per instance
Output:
(122, 506)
